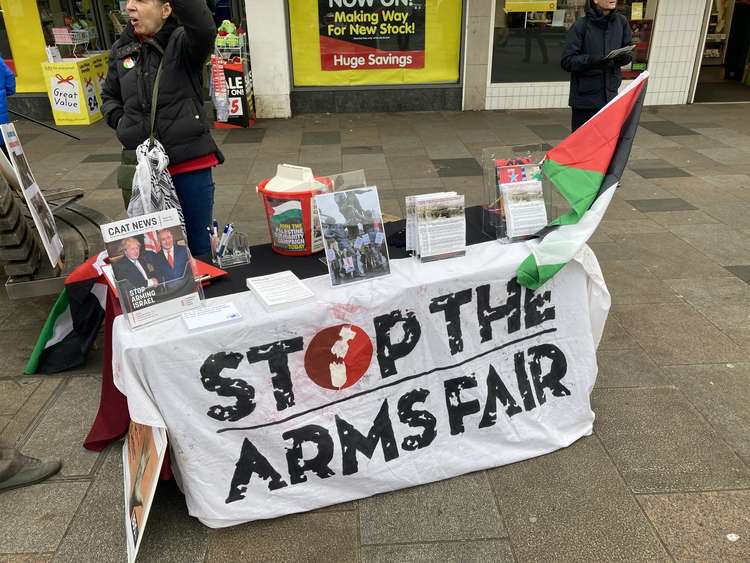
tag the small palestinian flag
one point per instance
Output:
(586, 167)
(74, 321)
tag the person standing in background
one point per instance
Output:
(595, 80)
(153, 36)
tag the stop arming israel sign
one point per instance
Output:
(438, 370)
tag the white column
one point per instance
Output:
(269, 55)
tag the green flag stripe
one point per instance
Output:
(579, 188)
(48, 330)
(533, 276)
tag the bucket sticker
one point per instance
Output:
(287, 225)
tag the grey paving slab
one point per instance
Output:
(702, 526)
(26, 558)
(553, 131)
(671, 172)
(411, 167)
(667, 128)
(703, 191)
(498, 551)
(62, 430)
(615, 337)
(330, 536)
(721, 393)
(677, 334)
(628, 368)
(619, 227)
(36, 517)
(362, 149)
(103, 157)
(321, 138)
(13, 394)
(98, 528)
(449, 167)
(630, 282)
(731, 156)
(461, 508)
(722, 243)
(668, 204)
(565, 505)
(23, 419)
(663, 254)
(742, 272)
(668, 218)
(660, 443)
(734, 214)
(244, 136)
(723, 301)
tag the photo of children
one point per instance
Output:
(353, 235)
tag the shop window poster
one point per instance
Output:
(371, 34)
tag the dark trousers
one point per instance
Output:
(195, 190)
(581, 116)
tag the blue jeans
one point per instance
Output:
(195, 190)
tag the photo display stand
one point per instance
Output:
(519, 199)
(353, 235)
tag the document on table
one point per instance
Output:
(275, 291)
(209, 316)
(525, 212)
(441, 225)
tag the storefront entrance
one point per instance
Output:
(724, 74)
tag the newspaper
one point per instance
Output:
(152, 267)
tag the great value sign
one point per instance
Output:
(438, 370)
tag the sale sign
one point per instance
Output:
(357, 35)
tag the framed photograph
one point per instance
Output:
(353, 235)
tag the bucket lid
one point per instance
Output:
(291, 178)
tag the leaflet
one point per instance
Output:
(525, 212)
(279, 290)
(440, 225)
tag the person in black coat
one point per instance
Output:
(594, 80)
(171, 262)
(132, 267)
(154, 35)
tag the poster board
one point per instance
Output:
(344, 43)
(142, 456)
(37, 204)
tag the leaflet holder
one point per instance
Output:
(509, 164)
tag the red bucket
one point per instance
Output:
(293, 223)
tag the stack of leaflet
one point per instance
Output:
(280, 290)
(436, 226)
(522, 199)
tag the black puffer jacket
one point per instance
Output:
(180, 124)
(594, 83)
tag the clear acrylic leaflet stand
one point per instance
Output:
(344, 180)
(495, 162)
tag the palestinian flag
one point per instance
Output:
(586, 167)
(74, 321)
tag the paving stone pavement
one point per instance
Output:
(666, 475)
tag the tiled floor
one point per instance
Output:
(666, 475)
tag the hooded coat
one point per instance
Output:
(180, 124)
(594, 83)
(7, 88)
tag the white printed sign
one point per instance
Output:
(441, 369)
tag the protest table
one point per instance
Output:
(450, 367)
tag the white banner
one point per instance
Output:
(438, 370)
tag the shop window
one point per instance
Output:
(529, 37)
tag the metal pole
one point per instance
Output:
(43, 124)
